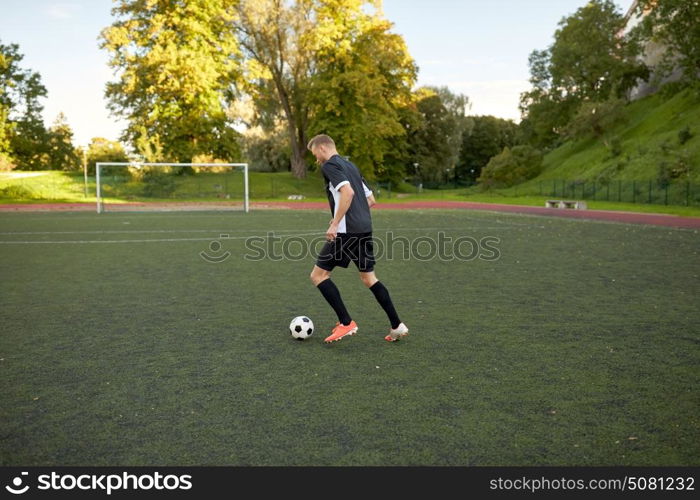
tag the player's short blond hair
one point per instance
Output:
(321, 140)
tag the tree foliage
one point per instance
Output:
(328, 66)
(62, 154)
(435, 142)
(359, 89)
(267, 150)
(104, 150)
(588, 61)
(511, 166)
(596, 118)
(177, 64)
(487, 137)
(22, 132)
(275, 40)
(676, 25)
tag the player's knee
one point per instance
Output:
(317, 277)
(368, 279)
(314, 278)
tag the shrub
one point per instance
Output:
(614, 147)
(6, 163)
(511, 166)
(684, 135)
(670, 171)
(16, 192)
(158, 184)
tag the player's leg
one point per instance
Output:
(321, 278)
(381, 293)
(318, 275)
(398, 329)
(363, 256)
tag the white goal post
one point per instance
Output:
(99, 181)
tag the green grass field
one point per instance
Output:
(122, 345)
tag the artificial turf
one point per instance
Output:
(573, 343)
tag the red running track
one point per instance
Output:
(604, 215)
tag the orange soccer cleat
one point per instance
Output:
(341, 331)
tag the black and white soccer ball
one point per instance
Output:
(301, 328)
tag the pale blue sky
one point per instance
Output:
(475, 47)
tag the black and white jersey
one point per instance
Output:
(337, 172)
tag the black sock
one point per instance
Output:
(382, 295)
(331, 293)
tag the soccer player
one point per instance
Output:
(349, 238)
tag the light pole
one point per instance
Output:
(85, 176)
(416, 165)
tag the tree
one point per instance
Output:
(674, 23)
(436, 142)
(546, 108)
(596, 118)
(104, 150)
(587, 61)
(358, 91)
(62, 153)
(487, 137)
(326, 66)
(178, 66)
(457, 106)
(276, 41)
(267, 149)
(22, 131)
(399, 158)
(511, 166)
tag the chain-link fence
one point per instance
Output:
(634, 191)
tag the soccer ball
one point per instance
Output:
(301, 328)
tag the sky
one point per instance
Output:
(478, 48)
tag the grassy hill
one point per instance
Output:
(658, 136)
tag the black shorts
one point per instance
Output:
(346, 248)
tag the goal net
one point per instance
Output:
(132, 186)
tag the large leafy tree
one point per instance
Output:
(22, 131)
(62, 153)
(276, 41)
(511, 166)
(676, 24)
(327, 66)
(104, 150)
(436, 142)
(177, 66)
(488, 136)
(399, 159)
(360, 88)
(546, 108)
(587, 61)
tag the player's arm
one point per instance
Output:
(368, 194)
(346, 194)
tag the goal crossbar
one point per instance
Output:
(99, 165)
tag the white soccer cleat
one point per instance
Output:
(396, 333)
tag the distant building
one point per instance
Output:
(652, 55)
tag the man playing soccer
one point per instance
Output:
(349, 239)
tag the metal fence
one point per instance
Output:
(634, 191)
(388, 190)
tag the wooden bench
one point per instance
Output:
(578, 205)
